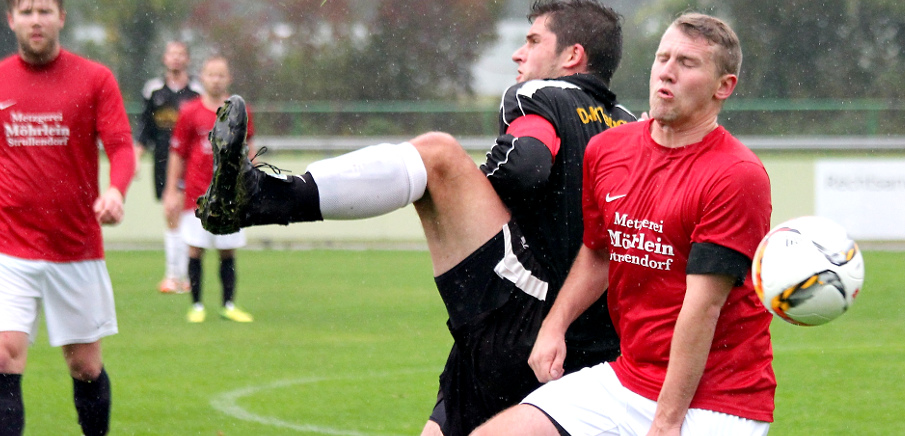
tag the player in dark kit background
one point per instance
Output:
(501, 237)
(163, 96)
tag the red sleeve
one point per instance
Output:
(737, 211)
(115, 133)
(536, 127)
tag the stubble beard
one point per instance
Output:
(41, 54)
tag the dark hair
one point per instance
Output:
(728, 55)
(595, 27)
(11, 4)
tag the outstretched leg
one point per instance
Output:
(458, 207)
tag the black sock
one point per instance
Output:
(92, 402)
(279, 201)
(12, 409)
(195, 278)
(228, 278)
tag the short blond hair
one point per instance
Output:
(728, 56)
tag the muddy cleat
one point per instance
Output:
(222, 206)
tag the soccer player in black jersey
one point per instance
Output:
(501, 237)
(163, 96)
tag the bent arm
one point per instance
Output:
(587, 281)
(520, 162)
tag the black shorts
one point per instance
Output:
(494, 324)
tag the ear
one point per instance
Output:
(9, 20)
(575, 58)
(726, 86)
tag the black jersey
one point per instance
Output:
(161, 110)
(157, 120)
(549, 213)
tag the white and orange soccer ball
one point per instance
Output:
(807, 271)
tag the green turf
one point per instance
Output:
(351, 343)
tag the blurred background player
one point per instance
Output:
(163, 96)
(51, 247)
(502, 236)
(191, 161)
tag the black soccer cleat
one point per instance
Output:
(222, 207)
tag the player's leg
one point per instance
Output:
(13, 352)
(458, 207)
(460, 210)
(521, 419)
(80, 311)
(229, 310)
(90, 387)
(197, 240)
(175, 250)
(431, 428)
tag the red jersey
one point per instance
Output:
(53, 116)
(190, 142)
(645, 205)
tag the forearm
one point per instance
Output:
(175, 173)
(588, 279)
(690, 348)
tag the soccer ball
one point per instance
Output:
(807, 271)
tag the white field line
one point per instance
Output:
(228, 403)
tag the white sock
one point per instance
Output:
(369, 182)
(177, 255)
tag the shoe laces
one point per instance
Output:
(273, 168)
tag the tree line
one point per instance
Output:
(423, 50)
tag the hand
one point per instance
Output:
(108, 208)
(548, 355)
(172, 207)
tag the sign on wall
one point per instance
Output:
(866, 196)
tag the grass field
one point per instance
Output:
(351, 343)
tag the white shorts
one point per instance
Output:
(594, 402)
(77, 299)
(195, 236)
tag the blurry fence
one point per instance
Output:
(743, 117)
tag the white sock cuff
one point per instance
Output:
(417, 173)
(369, 182)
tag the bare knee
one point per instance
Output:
(13, 350)
(442, 153)
(84, 360)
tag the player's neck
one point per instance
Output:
(678, 134)
(213, 102)
(177, 80)
(39, 59)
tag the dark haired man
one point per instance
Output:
(55, 106)
(501, 237)
(674, 208)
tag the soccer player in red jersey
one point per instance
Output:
(191, 161)
(55, 106)
(674, 208)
